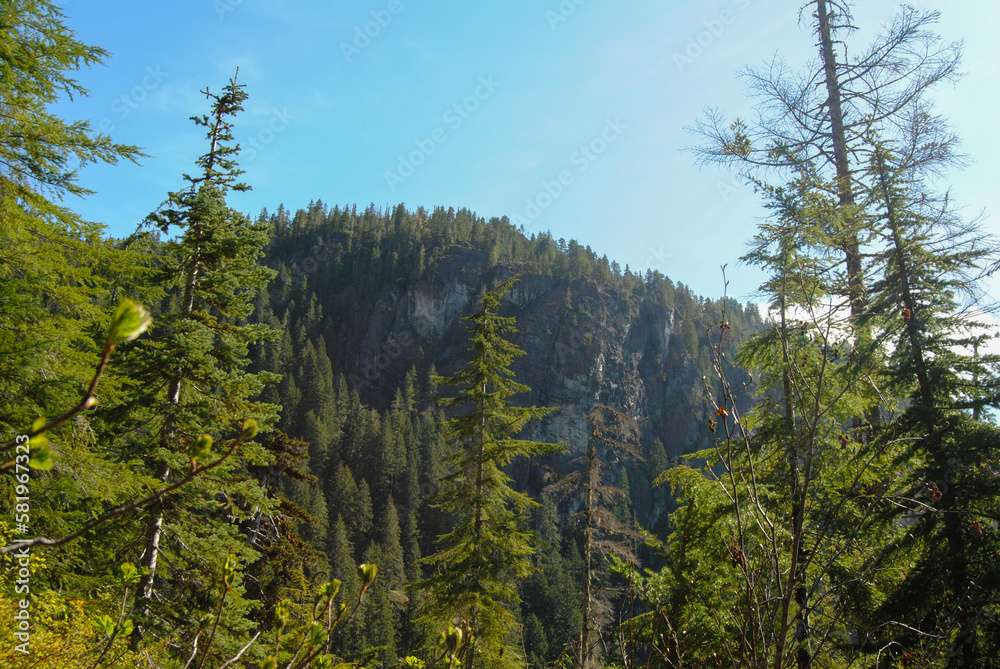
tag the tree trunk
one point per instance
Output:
(912, 332)
(154, 530)
(588, 547)
(845, 190)
(957, 579)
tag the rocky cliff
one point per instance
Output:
(585, 342)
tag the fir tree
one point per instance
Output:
(479, 562)
(932, 260)
(55, 270)
(551, 596)
(193, 369)
(285, 555)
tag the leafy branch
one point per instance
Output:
(204, 443)
(128, 322)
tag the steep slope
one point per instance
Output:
(385, 292)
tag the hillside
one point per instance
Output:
(365, 438)
(382, 293)
(370, 305)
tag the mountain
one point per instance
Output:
(380, 293)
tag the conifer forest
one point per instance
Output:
(342, 435)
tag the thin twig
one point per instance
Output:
(243, 650)
(118, 511)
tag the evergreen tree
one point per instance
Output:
(60, 283)
(381, 626)
(343, 567)
(56, 273)
(857, 135)
(363, 523)
(286, 557)
(932, 261)
(392, 566)
(479, 562)
(193, 373)
(552, 595)
(798, 501)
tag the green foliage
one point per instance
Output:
(364, 470)
(189, 387)
(479, 561)
(932, 261)
(552, 595)
(38, 148)
(54, 267)
(806, 538)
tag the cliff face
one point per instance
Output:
(585, 343)
(387, 294)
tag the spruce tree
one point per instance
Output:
(344, 568)
(192, 379)
(551, 596)
(931, 261)
(286, 556)
(478, 563)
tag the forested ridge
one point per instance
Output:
(342, 436)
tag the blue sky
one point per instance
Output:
(579, 106)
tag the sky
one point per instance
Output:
(570, 116)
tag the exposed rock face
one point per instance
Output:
(638, 346)
(585, 343)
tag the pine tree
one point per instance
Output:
(193, 370)
(392, 567)
(480, 560)
(380, 622)
(362, 524)
(932, 260)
